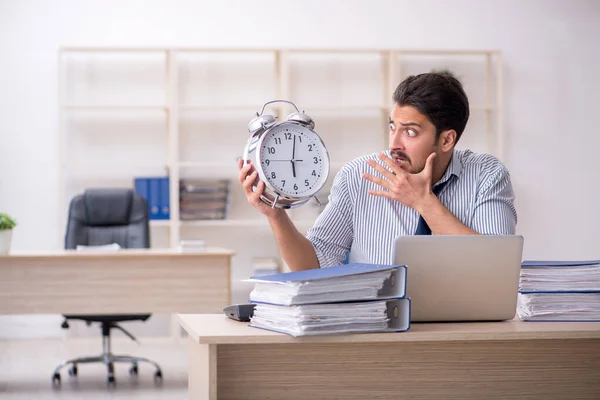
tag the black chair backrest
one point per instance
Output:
(105, 216)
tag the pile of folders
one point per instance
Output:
(559, 291)
(351, 298)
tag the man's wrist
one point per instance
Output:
(426, 203)
(277, 215)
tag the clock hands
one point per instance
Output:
(294, 156)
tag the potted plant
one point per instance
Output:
(6, 226)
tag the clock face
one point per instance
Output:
(294, 160)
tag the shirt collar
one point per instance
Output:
(454, 168)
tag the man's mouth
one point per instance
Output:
(401, 162)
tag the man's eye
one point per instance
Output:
(392, 126)
(411, 133)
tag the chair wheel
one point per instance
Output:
(111, 380)
(56, 379)
(133, 371)
(73, 370)
(158, 376)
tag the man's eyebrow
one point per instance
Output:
(406, 123)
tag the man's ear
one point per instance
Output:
(447, 140)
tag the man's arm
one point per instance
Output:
(297, 251)
(440, 220)
(494, 212)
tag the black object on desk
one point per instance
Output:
(240, 312)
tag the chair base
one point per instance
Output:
(108, 359)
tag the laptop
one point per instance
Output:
(461, 278)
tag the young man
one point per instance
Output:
(421, 185)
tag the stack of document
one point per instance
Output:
(559, 291)
(349, 298)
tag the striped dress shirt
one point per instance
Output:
(479, 193)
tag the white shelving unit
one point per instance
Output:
(183, 112)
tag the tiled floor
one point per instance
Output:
(26, 368)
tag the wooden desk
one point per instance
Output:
(120, 282)
(499, 360)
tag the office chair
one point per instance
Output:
(100, 217)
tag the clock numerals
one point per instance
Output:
(291, 164)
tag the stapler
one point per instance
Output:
(240, 312)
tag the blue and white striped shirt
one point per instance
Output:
(479, 194)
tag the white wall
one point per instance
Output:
(551, 58)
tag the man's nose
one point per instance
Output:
(396, 141)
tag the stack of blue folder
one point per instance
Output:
(559, 291)
(350, 298)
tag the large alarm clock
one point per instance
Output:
(289, 156)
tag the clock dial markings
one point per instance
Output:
(307, 161)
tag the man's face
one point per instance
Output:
(412, 138)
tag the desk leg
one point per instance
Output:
(202, 379)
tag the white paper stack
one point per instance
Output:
(363, 286)
(99, 249)
(559, 306)
(559, 291)
(314, 319)
(343, 299)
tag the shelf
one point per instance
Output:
(341, 108)
(251, 109)
(228, 166)
(160, 223)
(204, 134)
(233, 223)
(208, 165)
(482, 108)
(112, 167)
(114, 108)
(277, 50)
(367, 108)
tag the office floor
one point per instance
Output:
(26, 368)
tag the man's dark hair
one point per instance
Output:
(438, 96)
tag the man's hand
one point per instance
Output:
(412, 190)
(248, 177)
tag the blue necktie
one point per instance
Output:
(422, 227)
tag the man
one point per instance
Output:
(422, 185)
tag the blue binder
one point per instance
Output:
(164, 199)
(326, 273)
(155, 190)
(542, 263)
(397, 312)
(393, 288)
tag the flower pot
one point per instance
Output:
(5, 239)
